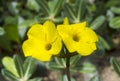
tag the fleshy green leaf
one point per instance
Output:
(2, 31)
(29, 66)
(86, 68)
(12, 32)
(80, 8)
(27, 23)
(95, 78)
(58, 64)
(9, 64)
(5, 43)
(11, 20)
(111, 3)
(58, 20)
(9, 76)
(19, 65)
(35, 79)
(33, 5)
(69, 12)
(74, 60)
(115, 64)
(12, 7)
(57, 7)
(104, 43)
(97, 22)
(115, 23)
(116, 10)
(64, 78)
(44, 6)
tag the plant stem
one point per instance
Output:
(68, 68)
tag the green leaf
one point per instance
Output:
(115, 23)
(74, 60)
(33, 5)
(9, 76)
(12, 32)
(91, 8)
(115, 10)
(19, 65)
(59, 63)
(27, 23)
(115, 64)
(95, 78)
(35, 79)
(29, 66)
(11, 20)
(52, 4)
(5, 43)
(12, 7)
(44, 6)
(55, 66)
(104, 43)
(100, 49)
(57, 7)
(9, 64)
(86, 68)
(64, 78)
(111, 3)
(2, 31)
(80, 10)
(58, 19)
(69, 12)
(97, 22)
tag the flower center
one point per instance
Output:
(76, 38)
(48, 47)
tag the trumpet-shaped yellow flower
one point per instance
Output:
(78, 37)
(43, 41)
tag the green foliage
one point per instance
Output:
(27, 23)
(97, 22)
(8, 61)
(16, 70)
(75, 65)
(85, 68)
(115, 10)
(10, 28)
(116, 65)
(64, 78)
(16, 17)
(115, 23)
(2, 31)
(33, 5)
(95, 78)
(5, 43)
(58, 63)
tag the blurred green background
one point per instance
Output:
(103, 16)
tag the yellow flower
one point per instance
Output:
(43, 41)
(78, 37)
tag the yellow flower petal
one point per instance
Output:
(66, 21)
(36, 49)
(56, 46)
(66, 34)
(36, 31)
(77, 37)
(79, 27)
(42, 56)
(51, 32)
(88, 35)
(43, 42)
(85, 49)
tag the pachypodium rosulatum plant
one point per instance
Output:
(47, 40)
